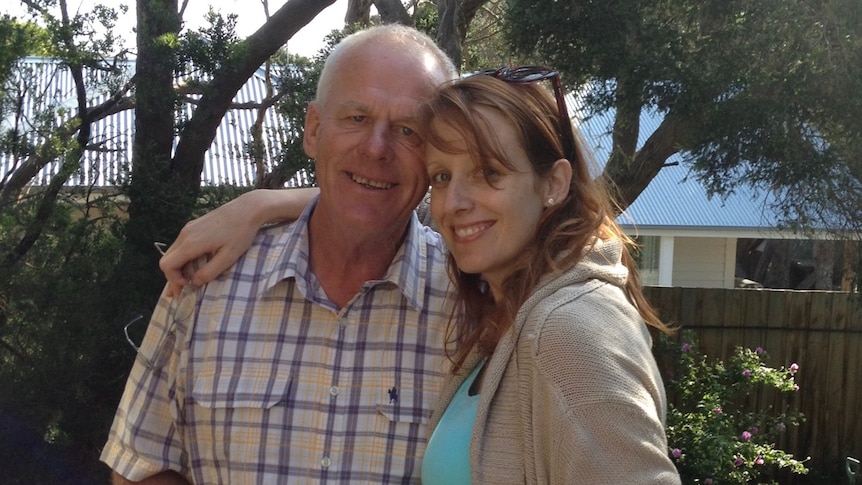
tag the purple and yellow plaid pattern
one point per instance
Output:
(258, 378)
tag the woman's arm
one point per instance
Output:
(226, 233)
(598, 398)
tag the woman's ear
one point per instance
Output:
(558, 180)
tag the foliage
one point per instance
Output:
(298, 76)
(757, 92)
(485, 46)
(18, 39)
(62, 354)
(209, 47)
(715, 435)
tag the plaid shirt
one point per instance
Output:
(259, 378)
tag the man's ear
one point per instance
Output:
(558, 180)
(312, 124)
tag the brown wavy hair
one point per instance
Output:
(565, 230)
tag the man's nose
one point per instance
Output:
(378, 142)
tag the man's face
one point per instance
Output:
(370, 164)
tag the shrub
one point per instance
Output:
(715, 435)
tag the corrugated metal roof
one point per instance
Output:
(675, 200)
(47, 83)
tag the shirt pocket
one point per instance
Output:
(234, 417)
(403, 411)
(229, 390)
(403, 401)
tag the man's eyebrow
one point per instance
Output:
(352, 105)
(406, 118)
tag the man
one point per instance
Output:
(318, 356)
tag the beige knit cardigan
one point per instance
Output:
(572, 394)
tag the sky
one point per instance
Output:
(306, 42)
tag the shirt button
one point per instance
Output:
(325, 462)
(333, 390)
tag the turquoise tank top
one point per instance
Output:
(447, 457)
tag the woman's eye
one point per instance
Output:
(440, 178)
(358, 118)
(489, 173)
(407, 131)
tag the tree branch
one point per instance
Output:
(200, 131)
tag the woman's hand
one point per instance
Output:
(226, 233)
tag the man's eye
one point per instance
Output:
(358, 118)
(408, 136)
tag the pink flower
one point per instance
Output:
(686, 347)
(794, 367)
(717, 410)
(754, 430)
(795, 387)
(758, 350)
(738, 461)
(676, 453)
(746, 373)
(745, 436)
(758, 460)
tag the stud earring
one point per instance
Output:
(550, 202)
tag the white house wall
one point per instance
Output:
(704, 262)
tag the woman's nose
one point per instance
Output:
(458, 195)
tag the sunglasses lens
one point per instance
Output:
(527, 74)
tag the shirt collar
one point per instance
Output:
(409, 272)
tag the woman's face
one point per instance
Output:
(486, 227)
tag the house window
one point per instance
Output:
(647, 256)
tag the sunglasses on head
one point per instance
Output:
(532, 74)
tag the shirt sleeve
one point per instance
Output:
(144, 438)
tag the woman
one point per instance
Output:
(553, 373)
(569, 391)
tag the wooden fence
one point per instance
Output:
(821, 331)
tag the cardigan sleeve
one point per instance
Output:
(598, 402)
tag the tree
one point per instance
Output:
(757, 92)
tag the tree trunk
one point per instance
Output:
(776, 264)
(631, 176)
(358, 12)
(824, 264)
(158, 206)
(393, 12)
(851, 265)
(454, 20)
(156, 203)
(449, 29)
